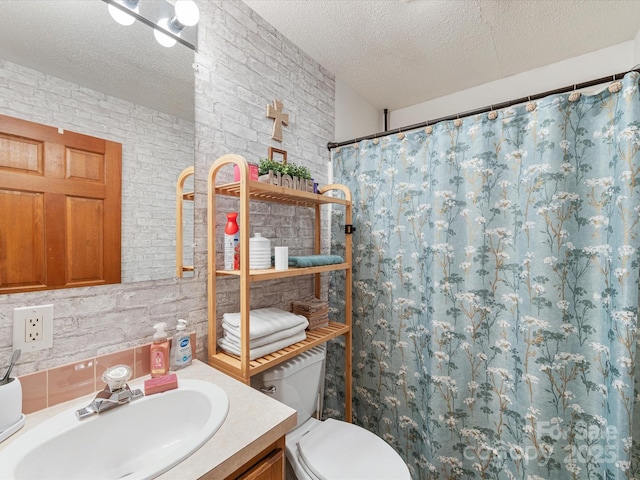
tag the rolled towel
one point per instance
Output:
(314, 260)
(263, 350)
(233, 334)
(264, 321)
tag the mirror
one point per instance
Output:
(68, 64)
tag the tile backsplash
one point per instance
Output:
(46, 388)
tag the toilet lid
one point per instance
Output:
(339, 450)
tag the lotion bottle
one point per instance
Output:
(159, 361)
(181, 347)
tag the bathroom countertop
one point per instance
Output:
(254, 422)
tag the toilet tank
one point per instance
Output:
(295, 382)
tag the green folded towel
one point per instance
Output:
(314, 260)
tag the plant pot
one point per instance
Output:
(287, 181)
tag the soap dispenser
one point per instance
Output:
(159, 361)
(181, 347)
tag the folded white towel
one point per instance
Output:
(264, 321)
(232, 333)
(263, 350)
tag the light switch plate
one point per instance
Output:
(33, 328)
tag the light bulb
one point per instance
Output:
(161, 37)
(121, 17)
(187, 12)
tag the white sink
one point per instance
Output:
(135, 441)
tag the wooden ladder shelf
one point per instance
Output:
(240, 367)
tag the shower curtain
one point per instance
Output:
(496, 290)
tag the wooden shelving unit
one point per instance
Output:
(246, 190)
(271, 274)
(181, 196)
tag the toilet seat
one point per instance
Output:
(335, 450)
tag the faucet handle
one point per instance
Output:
(116, 377)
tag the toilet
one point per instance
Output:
(330, 449)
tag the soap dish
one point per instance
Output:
(12, 429)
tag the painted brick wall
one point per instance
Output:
(155, 148)
(244, 64)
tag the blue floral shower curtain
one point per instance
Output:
(496, 290)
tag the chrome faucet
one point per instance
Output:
(116, 392)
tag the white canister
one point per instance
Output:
(259, 252)
(282, 258)
(10, 403)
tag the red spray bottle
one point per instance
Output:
(232, 243)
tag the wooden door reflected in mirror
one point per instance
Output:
(60, 208)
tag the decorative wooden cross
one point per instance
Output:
(279, 118)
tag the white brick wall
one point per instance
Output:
(244, 65)
(156, 147)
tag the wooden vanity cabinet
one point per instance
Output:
(269, 464)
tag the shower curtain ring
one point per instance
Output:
(575, 95)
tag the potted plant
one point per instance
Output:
(287, 175)
(297, 171)
(267, 165)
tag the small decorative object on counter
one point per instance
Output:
(232, 243)
(259, 252)
(159, 361)
(181, 347)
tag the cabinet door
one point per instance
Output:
(269, 468)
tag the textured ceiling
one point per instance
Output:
(397, 53)
(77, 40)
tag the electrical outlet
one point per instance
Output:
(33, 328)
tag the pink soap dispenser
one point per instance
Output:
(159, 361)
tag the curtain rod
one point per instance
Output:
(498, 106)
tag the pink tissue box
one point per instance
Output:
(253, 172)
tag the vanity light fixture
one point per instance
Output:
(186, 15)
(161, 37)
(120, 16)
(172, 21)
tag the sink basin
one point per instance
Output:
(135, 441)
